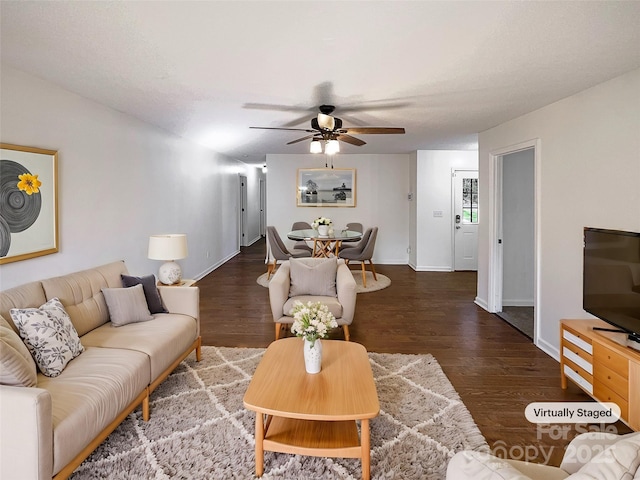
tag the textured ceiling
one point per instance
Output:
(208, 70)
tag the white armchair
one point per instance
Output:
(589, 456)
(326, 280)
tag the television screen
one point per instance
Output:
(611, 289)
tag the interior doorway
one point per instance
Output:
(514, 240)
(243, 211)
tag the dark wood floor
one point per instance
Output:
(496, 369)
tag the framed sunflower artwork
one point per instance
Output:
(28, 202)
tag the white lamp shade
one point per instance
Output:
(167, 247)
(316, 146)
(332, 147)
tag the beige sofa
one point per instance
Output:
(48, 429)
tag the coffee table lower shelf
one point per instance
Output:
(319, 438)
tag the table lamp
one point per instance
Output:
(168, 248)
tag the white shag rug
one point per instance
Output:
(372, 284)
(199, 428)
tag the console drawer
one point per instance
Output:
(612, 380)
(577, 356)
(579, 340)
(582, 382)
(610, 359)
(604, 394)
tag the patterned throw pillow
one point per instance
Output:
(49, 335)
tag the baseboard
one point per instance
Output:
(549, 349)
(251, 242)
(517, 303)
(428, 268)
(215, 265)
(482, 303)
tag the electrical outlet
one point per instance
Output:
(208, 254)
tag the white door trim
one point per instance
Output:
(494, 301)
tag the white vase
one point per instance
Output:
(312, 356)
(323, 230)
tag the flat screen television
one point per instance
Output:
(611, 280)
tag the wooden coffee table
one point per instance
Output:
(313, 414)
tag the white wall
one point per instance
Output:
(433, 192)
(588, 176)
(518, 236)
(120, 180)
(382, 186)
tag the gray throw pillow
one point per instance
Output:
(148, 282)
(126, 305)
(49, 335)
(311, 276)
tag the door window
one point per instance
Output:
(469, 200)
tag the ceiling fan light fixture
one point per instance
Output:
(315, 147)
(326, 122)
(332, 147)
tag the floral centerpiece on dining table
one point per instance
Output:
(322, 225)
(312, 321)
(321, 221)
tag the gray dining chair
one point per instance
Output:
(356, 227)
(363, 252)
(277, 251)
(301, 244)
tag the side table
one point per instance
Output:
(185, 282)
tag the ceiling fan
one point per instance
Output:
(328, 129)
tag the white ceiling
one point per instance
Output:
(208, 70)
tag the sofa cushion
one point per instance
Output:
(164, 339)
(17, 367)
(49, 335)
(151, 293)
(126, 305)
(29, 295)
(89, 394)
(312, 276)
(81, 294)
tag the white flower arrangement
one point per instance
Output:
(312, 321)
(321, 221)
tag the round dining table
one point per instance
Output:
(325, 246)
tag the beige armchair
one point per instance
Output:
(326, 280)
(589, 456)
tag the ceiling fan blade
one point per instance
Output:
(372, 130)
(349, 139)
(288, 129)
(300, 139)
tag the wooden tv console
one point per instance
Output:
(601, 364)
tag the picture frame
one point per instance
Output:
(28, 202)
(326, 187)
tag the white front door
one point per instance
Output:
(465, 219)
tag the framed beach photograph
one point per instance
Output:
(28, 202)
(326, 187)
